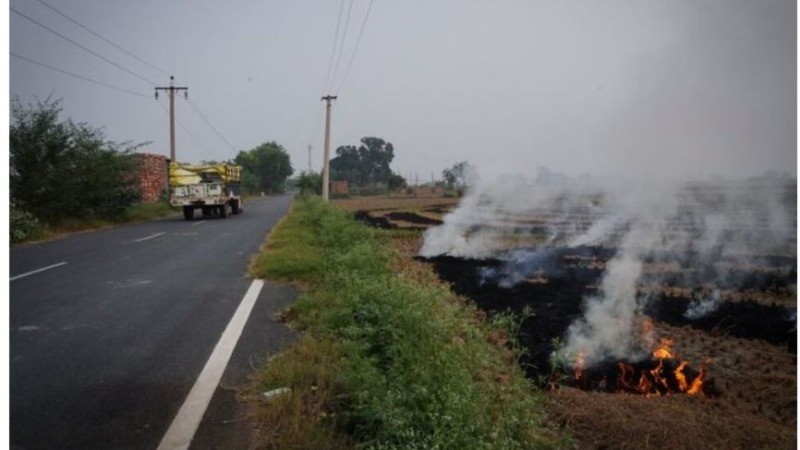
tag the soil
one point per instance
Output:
(375, 221)
(412, 218)
(396, 203)
(746, 319)
(396, 220)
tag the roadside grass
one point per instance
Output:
(138, 213)
(388, 359)
(149, 211)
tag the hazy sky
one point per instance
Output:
(688, 87)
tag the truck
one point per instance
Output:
(213, 189)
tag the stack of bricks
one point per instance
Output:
(152, 176)
(340, 187)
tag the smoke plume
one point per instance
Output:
(708, 230)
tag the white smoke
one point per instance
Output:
(732, 221)
(605, 330)
(700, 307)
(699, 224)
(490, 211)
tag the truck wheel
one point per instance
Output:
(223, 210)
(235, 207)
(188, 212)
(206, 211)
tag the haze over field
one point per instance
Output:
(652, 87)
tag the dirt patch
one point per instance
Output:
(396, 203)
(395, 220)
(412, 218)
(404, 212)
(375, 221)
(679, 422)
(746, 319)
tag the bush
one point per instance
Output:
(309, 183)
(60, 170)
(23, 225)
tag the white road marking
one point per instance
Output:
(37, 271)
(181, 432)
(198, 223)
(150, 237)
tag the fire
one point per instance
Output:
(682, 384)
(663, 374)
(580, 364)
(662, 352)
(697, 384)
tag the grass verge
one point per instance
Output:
(137, 213)
(388, 359)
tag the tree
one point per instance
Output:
(460, 176)
(365, 164)
(309, 183)
(265, 168)
(396, 182)
(60, 169)
(347, 165)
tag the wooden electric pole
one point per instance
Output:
(171, 91)
(326, 154)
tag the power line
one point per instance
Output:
(344, 36)
(82, 47)
(333, 50)
(190, 134)
(315, 129)
(208, 122)
(78, 76)
(171, 90)
(355, 49)
(103, 38)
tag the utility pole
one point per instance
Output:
(325, 166)
(171, 92)
(309, 159)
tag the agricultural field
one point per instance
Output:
(403, 212)
(710, 351)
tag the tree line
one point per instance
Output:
(366, 164)
(63, 171)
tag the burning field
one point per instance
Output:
(656, 319)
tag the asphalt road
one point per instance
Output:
(105, 348)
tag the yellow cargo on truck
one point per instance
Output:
(214, 189)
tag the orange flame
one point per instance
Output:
(659, 380)
(697, 384)
(683, 386)
(580, 364)
(663, 352)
